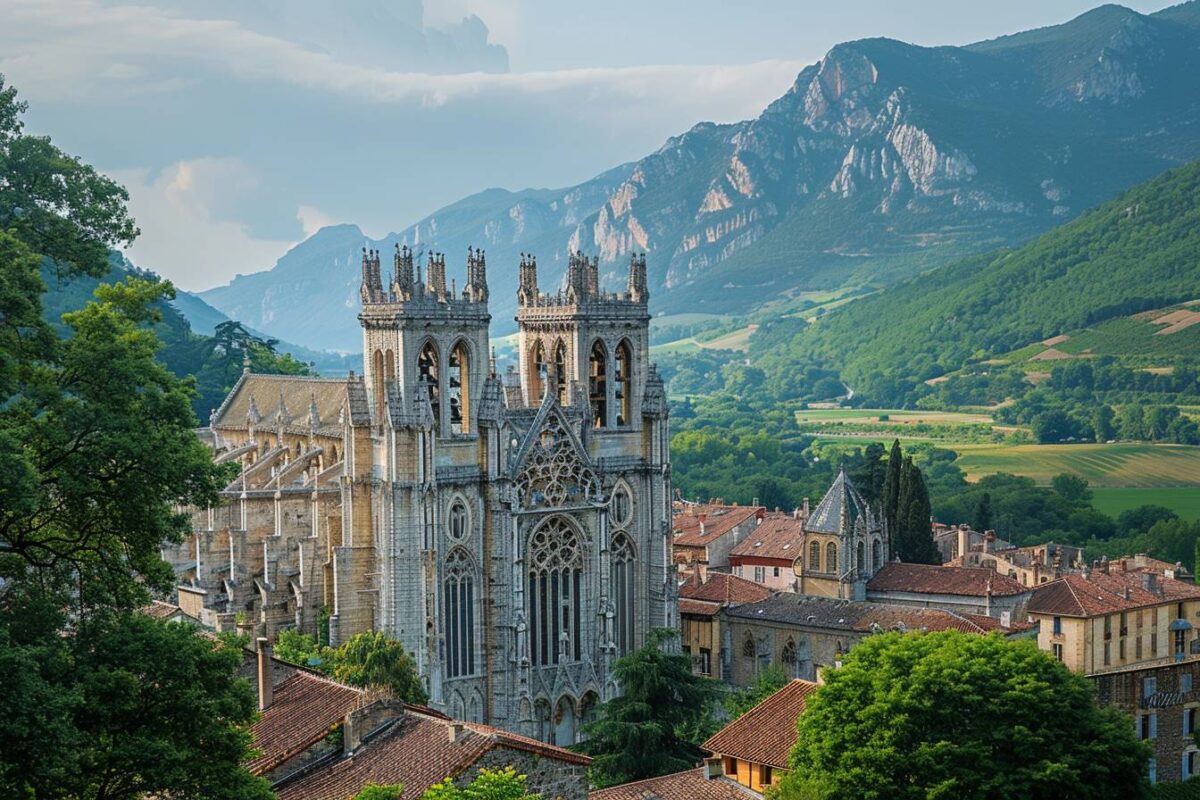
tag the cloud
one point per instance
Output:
(313, 219)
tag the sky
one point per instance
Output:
(240, 127)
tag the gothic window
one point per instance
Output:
(458, 613)
(554, 476)
(624, 380)
(788, 656)
(427, 374)
(831, 564)
(458, 520)
(390, 365)
(623, 591)
(876, 555)
(598, 384)
(814, 556)
(861, 562)
(555, 560)
(748, 648)
(622, 506)
(378, 380)
(458, 389)
(560, 372)
(538, 377)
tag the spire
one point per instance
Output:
(282, 415)
(372, 281)
(637, 278)
(492, 363)
(253, 415)
(402, 272)
(577, 280)
(476, 287)
(591, 271)
(314, 415)
(527, 291)
(437, 275)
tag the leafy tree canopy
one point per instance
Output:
(368, 659)
(489, 784)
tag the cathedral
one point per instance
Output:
(511, 531)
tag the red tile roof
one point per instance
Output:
(416, 751)
(717, 521)
(927, 579)
(721, 587)
(823, 613)
(1106, 593)
(698, 608)
(766, 733)
(160, 610)
(778, 536)
(304, 707)
(690, 785)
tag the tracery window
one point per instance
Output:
(458, 613)
(860, 562)
(458, 520)
(749, 650)
(622, 506)
(624, 593)
(814, 556)
(555, 560)
(598, 384)
(560, 373)
(554, 475)
(831, 563)
(788, 656)
(538, 374)
(427, 374)
(624, 383)
(459, 388)
(877, 555)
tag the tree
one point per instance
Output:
(957, 715)
(489, 784)
(914, 540)
(983, 513)
(1104, 423)
(870, 473)
(766, 683)
(891, 491)
(367, 659)
(1072, 488)
(635, 734)
(380, 791)
(1053, 426)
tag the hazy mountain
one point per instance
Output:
(882, 160)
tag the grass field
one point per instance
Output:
(867, 416)
(1122, 464)
(1184, 501)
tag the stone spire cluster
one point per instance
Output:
(582, 282)
(406, 284)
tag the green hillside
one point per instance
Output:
(1137, 253)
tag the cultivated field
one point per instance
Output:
(870, 416)
(1121, 464)
(1184, 501)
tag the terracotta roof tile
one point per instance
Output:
(690, 785)
(303, 708)
(698, 608)
(160, 610)
(927, 579)
(777, 536)
(721, 587)
(717, 521)
(1074, 595)
(766, 733)
(850, 615)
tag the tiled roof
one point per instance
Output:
(690, 785)
(721, 587)
(160, 610)
(841, 498)
(298, 394)
(766, 733)
(717, 521)
(990, 624)
(698, 608)
(851, 615)
(927, 579)
(777, 536)
(1106, 593)
(415, 750)
(303, 708)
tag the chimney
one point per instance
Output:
(989, 537)
(351, 732)
(1103, 565)
(804, 507)
(987, 608)
(964, 542)
(1150, 582)
(266, 687)
(713, 768)
(1124, 564)
(456, 730)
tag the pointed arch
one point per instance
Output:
(377, 378)
(860, 562)
(458, 387)
(429, 375)
(458, 613)
(749, 648)
(814, 557)
(564, 721)
(458, 709)
(539, 376)
(831, 562)
(554, 558)
(788, 655)
(622, 584)
(560, 372)
(876, 555)
(475, 707)
(623, 378)
(598, 383)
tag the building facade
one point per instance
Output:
(515, 540)
(844, 545)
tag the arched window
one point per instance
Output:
(379, 374)
(860, 562)
(831, 564)
(814, 557)
(560, 373)
(475, 708)
(749, 650)
(458, 520)
(624, 380)
(788, 656)
(598, 384)
(623, 591)
(564, 722)
(555, 562)
(458, 389)
(458, 613)
(876, 555)
(427, 374)
(389, 361)
(622, 506)
(538, 376)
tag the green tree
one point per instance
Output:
(948, 715)
(1072, 488)
(1104, 423)
(891, 491)
(380, 791)
(635, 735)
(914, 542)
(983, 513)
(489, 784)
(869, 473)
(766, 683)
(367, 659)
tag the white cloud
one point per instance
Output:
(182, 238)
(313, 219)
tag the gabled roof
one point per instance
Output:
(927, 579)
(766, 733)
(704, 524)
(1075, 595)
(271, 396)
(851, 616)
(841, 503)
(303, 708)
(778, 536)
(721, 587)
(692, 784)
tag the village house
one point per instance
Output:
(805, 634)
(767, 555)
(968, 590)
(1115, 616)
(704, 534)
(961, 546)
(701, 598)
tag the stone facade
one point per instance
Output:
(516, 540)
(844, 545)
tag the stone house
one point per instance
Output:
(768, 553)
(701, 598)
(968, 590)
(704, 534)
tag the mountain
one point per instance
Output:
(1136, 253)
(883, 160)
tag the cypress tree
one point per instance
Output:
(891, 492)
(917, 530)
(983, 513)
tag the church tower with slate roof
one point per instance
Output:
(844, 544)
